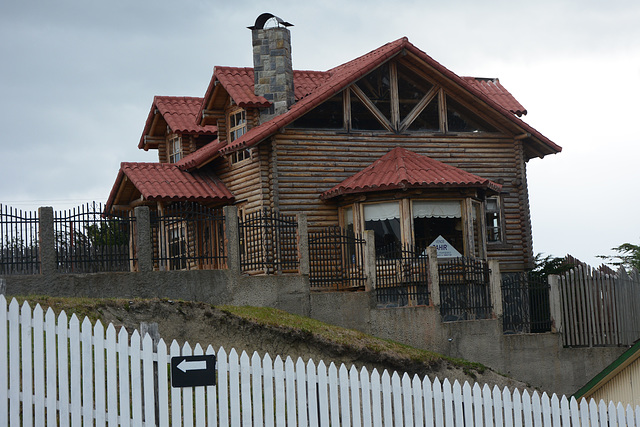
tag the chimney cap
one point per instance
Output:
(262, 19)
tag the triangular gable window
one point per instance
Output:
(460, 119)
(411, 89)
(328, 115)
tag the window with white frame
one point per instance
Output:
(175, 148)
(237, 124)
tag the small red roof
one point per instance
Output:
(401, 168)
(180, 113)
(494, 90)
(201, 156)
(165, 181)
(239, 84)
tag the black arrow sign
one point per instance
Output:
(193, 371)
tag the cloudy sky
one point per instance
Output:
(78, 77)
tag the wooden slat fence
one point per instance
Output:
(54, 371)
(599, 309)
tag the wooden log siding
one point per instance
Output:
(309, 163)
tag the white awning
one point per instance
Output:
(381, 211)
(437, 209)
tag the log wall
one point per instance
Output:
(310, 163)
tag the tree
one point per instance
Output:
(627, 256)
(544, 266)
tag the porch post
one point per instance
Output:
(370, 260)
(434, 280)
(555, 304)
(232, 239)
(47, 241)
(303, 244)
(143, 238)
(495, 284)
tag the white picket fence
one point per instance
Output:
(58, 372)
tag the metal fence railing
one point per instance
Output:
(336, 260)
(19, 252)
(464, 289)
(268, 242)
(188, 236)
(525, 303)
(402, 276)
(89, 241)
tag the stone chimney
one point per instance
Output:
(272, 67)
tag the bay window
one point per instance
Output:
(437, 218)
(384, 220)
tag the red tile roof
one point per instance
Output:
(165, 181)
(239, 84)
(340, 77)
(180, 113)
(201, 156)
(494, 90)
(401, 168)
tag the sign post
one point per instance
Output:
(193, 371)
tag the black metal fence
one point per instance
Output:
(188, 236)
(464, 289)
(268, 242)
(88, 241)
(336, 260)
(402, 276)
(19, 252)
(525, 303)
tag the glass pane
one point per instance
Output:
(384, 220)
(429, 119)
(426, 230)
(460, 119)
(377, 86)
(328, 115)
(411, 89)
(361, 117)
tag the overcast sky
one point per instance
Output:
(78, 78)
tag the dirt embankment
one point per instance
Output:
(199, 323)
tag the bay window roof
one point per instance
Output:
(404, 169)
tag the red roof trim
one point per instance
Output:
(201, 156)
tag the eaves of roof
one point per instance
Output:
(402, 169)
(180, 113)
(201, 157)
(166, 182)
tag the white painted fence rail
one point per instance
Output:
(54, 371)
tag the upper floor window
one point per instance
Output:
(237, 124)
(493, 220)
(175, 148)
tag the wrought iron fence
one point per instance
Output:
(464, 289)
(268, 242)
(402, 276)
(19, 235)
(336, 260)
(89, 241)
(188, 236)
(525, 303)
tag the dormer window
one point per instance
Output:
(175, 148)
(237, 124)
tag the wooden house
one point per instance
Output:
(391, 141)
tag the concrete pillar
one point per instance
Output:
(370, 259)
(434, 280)
(144, 249)
(555, 304)
(232, 238)
(48, 263)
(303, 244)
(495, 283)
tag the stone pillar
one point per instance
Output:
(495, 283)
(434, 279)
(303, 244)
(144, 249)
(232, 238)
(48, 263)
(370, 259)
(555, 304)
